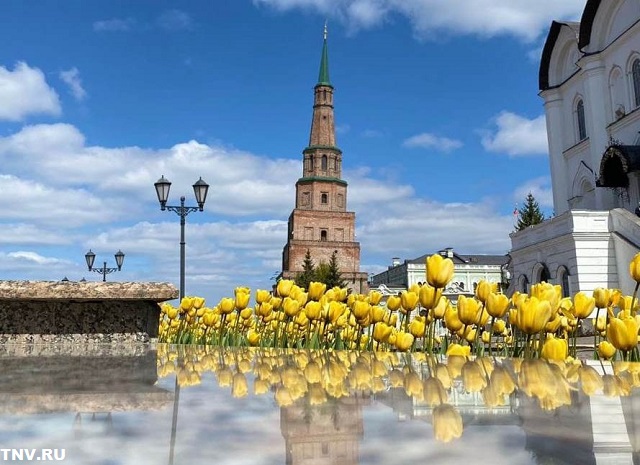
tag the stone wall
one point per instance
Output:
(96, 312)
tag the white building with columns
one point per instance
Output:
(590, 82)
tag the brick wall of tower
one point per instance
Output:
(309, 196)
(307, 225)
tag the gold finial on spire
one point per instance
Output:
(325, 29)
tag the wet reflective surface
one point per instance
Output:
(163, 405)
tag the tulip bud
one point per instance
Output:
(601, 296)
(284, 287)
(316, 290)
(226, 305)
(393, 303)
(634, 268)
(374, 297)
(439, 270)
(583, 305)
(262, 296)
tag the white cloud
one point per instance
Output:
(541, 190)
(61, 193)
(114, 25)
(34, 257)
(427, 140)
(71, 78)
(516, 135)
(24, 91)
(174, 20)
(488, 18)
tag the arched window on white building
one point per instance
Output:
(635, 81)
(581, 125)
(563, 280)
(617, 93)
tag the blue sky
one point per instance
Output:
(436, 107)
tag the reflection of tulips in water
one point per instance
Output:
(317, 377)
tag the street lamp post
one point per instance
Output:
(90, 258)
(200, 188)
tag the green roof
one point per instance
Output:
(323, 76)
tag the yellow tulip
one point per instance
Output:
(316, 290)
(408, 301)
(172, 313)
(360, 309)
(469, 310)
(486, 337)
(226, 305)
(198, 302)
(484, 288)
(623, 333)
(532, 315)
(290, 306)
(209, 318)
(186, 304)
(447, 423)
(452, 320)
(374, 297)
(458, 350)
(378, 314)
(606, 350)
(393, 303)
(262, 296)
(634, 268)
(497, 304)
(253, 337)
(418, 326)
(381, 332)
(583, 305)
(439, 270)
(429, 296)
(600, 323)
(499, 326)
(441, 307)
(336, 309)
(313, 310)
(601, 296)
(554, 349)
(403, 341)
(284, 287)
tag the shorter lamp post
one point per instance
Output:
(90, 258)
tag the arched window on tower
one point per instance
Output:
(323, 165)
(311, 163)
(635, 79)
(323, 235)
(580, 121)
(324, 198)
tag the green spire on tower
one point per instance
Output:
(323, 77)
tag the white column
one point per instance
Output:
(560, 178)
(596, 95)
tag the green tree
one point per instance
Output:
(529, 214)
(329, 273)
(308, 273)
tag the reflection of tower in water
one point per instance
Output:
(325, 434)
